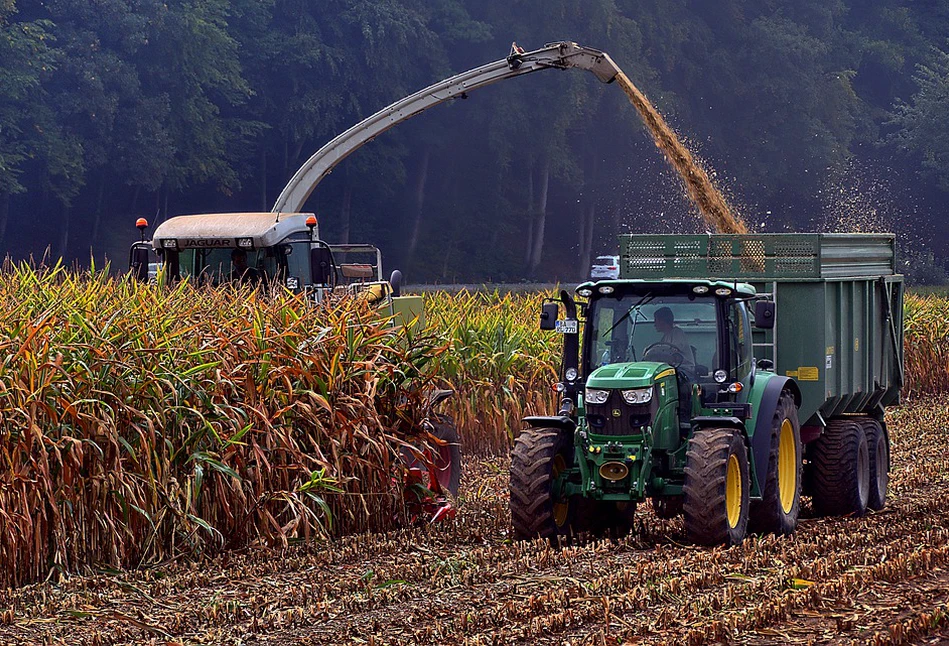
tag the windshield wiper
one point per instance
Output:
(642, 301)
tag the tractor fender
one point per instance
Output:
(761, 438)
(561, 422)
(715, 421)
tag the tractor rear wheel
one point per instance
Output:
(780, 505)
(878, 448)
(539, 458)
(717, 487)
(840, 462)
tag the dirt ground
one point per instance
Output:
(881, 579)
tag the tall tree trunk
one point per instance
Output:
(530, 218)
(347, 211)
(538, 250)
(64, 233)
(4, 217)
(164, 206)
(263, 177)
(97, 218)
(138, 189)
(419, 201)
(587, 216)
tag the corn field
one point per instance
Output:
(139, 425)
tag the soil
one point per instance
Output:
(880, 579)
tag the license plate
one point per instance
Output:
(568, 326)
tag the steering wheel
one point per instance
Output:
(675, 351)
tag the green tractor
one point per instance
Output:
(684, 387)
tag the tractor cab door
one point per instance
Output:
(738, 340)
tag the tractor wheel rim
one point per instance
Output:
(733, 492)
(560, 508)
(787, 466)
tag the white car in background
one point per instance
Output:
(605, 267)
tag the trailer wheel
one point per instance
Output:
(540, 455)
(841, 469)
(878, 448)
(780, 505)
(717, 487)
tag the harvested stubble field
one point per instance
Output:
(879, 579)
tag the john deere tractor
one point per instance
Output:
(682, 384)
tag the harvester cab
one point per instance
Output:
(268, 249)
(681, 384)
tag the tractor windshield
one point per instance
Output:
(680, 330)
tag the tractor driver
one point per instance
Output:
(673, 335)
(241, 272)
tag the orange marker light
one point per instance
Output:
(311, 221)
(141, 223)
(736, 387)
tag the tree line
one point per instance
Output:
(810, 114)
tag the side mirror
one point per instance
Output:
(548, 316)
(322, 266)
(764, 315)
(138, 262)
(396, 282)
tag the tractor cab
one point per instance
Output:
(637, 331)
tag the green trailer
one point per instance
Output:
(720, 376)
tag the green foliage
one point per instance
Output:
(115, 108)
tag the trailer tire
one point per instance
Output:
(778, 510)
(878, 447)
(841, 469)
(717, 487)
(539, 455)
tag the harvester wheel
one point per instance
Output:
(447, 459)
(841, 469)
(540, 455)
(878, 448)
(717, 487)
(780, 505)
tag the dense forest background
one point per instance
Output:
(811, 114)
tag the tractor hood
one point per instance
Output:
(637, 374)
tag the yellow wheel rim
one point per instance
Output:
(787, 466)
(560, 508)
(733, 491)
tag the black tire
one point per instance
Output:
(716, 471)
(777, 512)
(447, 458)
(841, 469)
(878, 448)
(667, 506)
(538, 452)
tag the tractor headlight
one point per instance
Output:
(720, 376)
(584, 292)
(571, 374)
(594, 396)
(638, 396)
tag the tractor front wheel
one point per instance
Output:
(540, 458)
(717, 487)
(780, 505)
